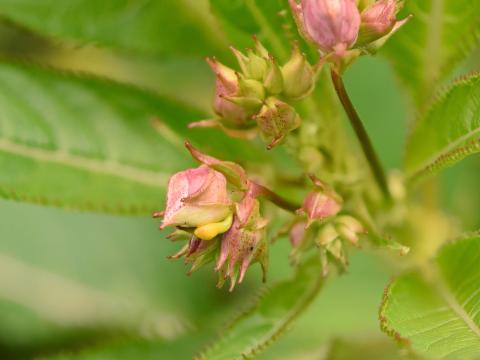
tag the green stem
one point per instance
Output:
(362, 135)
(259, 190)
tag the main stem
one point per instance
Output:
(362, 135)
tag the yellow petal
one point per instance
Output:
(209, 231)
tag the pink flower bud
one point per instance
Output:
(227, 90)
(244, 243)
(197, 197)
(321, 203)
(378, 20)
(297, 233)
(332, 25)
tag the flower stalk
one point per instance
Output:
(362, 135)
(274, 198)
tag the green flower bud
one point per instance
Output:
(275, 120)
(273, 79)
(298, 76)
(253, 66)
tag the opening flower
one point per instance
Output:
(197, 197)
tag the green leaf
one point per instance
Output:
(376, 348)
(269, 318)
(441, 34)
(270, 20)
(437, 309)
(94, 145)
(181, 27)
(448, 131)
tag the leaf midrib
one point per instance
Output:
(445, 292)
(146, 177)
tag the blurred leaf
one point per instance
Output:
(94, 145)
(167, 27)
(441, 34)
(448, 131)
(270, 20)
(346, 308)
(269, 318)
(378, 349)
(436, 309)
(182, 348)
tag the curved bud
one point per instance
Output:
(298, 76)
(275, 120)
(321, 203)
(243, 244)
(233, 172)
(197, 197)
(226, 87)
(332, 25)
(378, 20)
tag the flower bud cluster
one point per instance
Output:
(256, 98)
(321, 225)
(344, 29)
(214, 208)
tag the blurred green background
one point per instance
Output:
(70, 280)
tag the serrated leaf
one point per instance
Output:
(269, 318)
(436, 310)
(94, 145)
(180, 27)
(448, 131)
(440, 35)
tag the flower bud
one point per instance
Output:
(377, 20)
(259, 65)
(275, 120)
(273, 79)
(233, 172)
(244, 243)
(349, 229)
(297, 233)
(320, 203)
(298, 76)
(197, 197)
(197, 253)
(331, 248)
(253, 66)
(227, 90)
(332, 25)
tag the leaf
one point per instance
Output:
(269, 318)
(94, 145)
(448, 131)
(441, 34)
(437, 311)
(166, 27)
(270, 20)
(376, 348)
